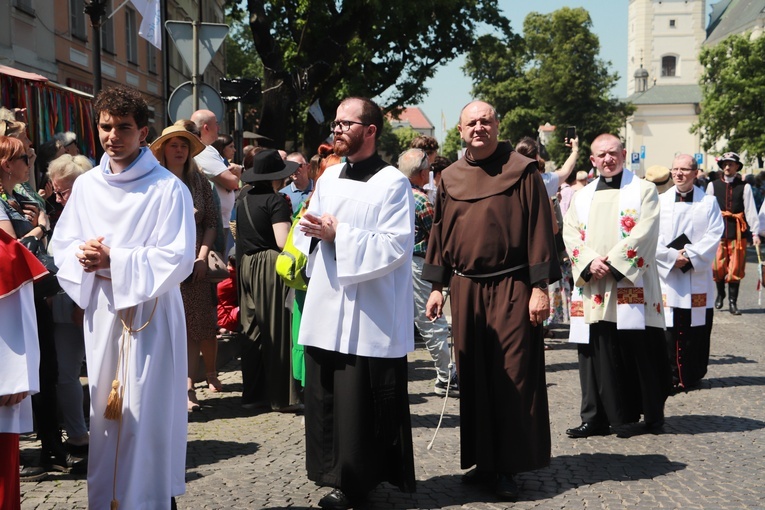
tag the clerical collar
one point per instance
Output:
(609, 182)
(684, 197)
(363, 170)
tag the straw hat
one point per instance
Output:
(195, 145)
(660, 176)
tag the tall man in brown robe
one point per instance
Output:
(492, 242)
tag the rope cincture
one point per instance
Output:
(113, 409)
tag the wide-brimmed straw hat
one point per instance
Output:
(268, 165)
(660, 176)
(195, 144)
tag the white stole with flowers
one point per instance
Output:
(630, 308)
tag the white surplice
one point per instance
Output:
(701, 221)
(146, 215)
(19, 357)
(360, 298)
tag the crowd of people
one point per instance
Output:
(133, 241)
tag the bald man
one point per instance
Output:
(211, 162)
(617, 316)
(492, 242)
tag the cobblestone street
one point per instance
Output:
(711, 455)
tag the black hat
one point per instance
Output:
(730, 156)
(268, 165)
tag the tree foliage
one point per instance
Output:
(550, 74)
(452, 144)
(733, 95)
(329, 49)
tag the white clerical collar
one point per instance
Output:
(684, 194)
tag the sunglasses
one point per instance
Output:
(23, 157)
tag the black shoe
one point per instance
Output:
(476, 476)
(655, 427)
(507, 489)
(65, 464)
(32, 474)
(589, 429)
(335, 500)
(454, 387)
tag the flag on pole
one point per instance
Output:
(151, 24)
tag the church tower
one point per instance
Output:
(664, 38)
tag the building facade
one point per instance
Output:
(665, 38)
(55, 40)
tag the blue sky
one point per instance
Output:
(450, 88)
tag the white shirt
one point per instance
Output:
(212, 164)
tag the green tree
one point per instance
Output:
(551, 74)
(733, 95)
(327, 50)
(452, 144)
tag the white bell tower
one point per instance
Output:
(664, 38)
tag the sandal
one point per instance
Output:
(213, 383)
(193, 403)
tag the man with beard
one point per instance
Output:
(492, 241)
(611, 230)
(690, 230)
(358, 233)
(736, 201)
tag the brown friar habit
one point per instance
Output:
(493, 215)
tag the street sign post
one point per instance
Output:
(197, 44)
(181, 106)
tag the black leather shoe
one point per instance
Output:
(335, 500)
(507, 489)
(32, 474)
(476, 476)
(654, 427)
(65, 464)
(589, 429)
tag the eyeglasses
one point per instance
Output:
(60, 194)
(24, 158)
(683, 170)
(345, 125)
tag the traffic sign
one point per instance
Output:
(699, 158)
(181, 105)
(642, 152)
(211, 37)
(635, 157)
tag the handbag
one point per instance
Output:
(48, 285)
(291, 263)
(216, 268)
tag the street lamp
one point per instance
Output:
(96, 9)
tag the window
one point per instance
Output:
(107, 35)
(77, 19)
(671, 23)
(668, 66)
(151, 58)
(25, 6)
(131, 34)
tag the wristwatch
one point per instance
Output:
(540, 285)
